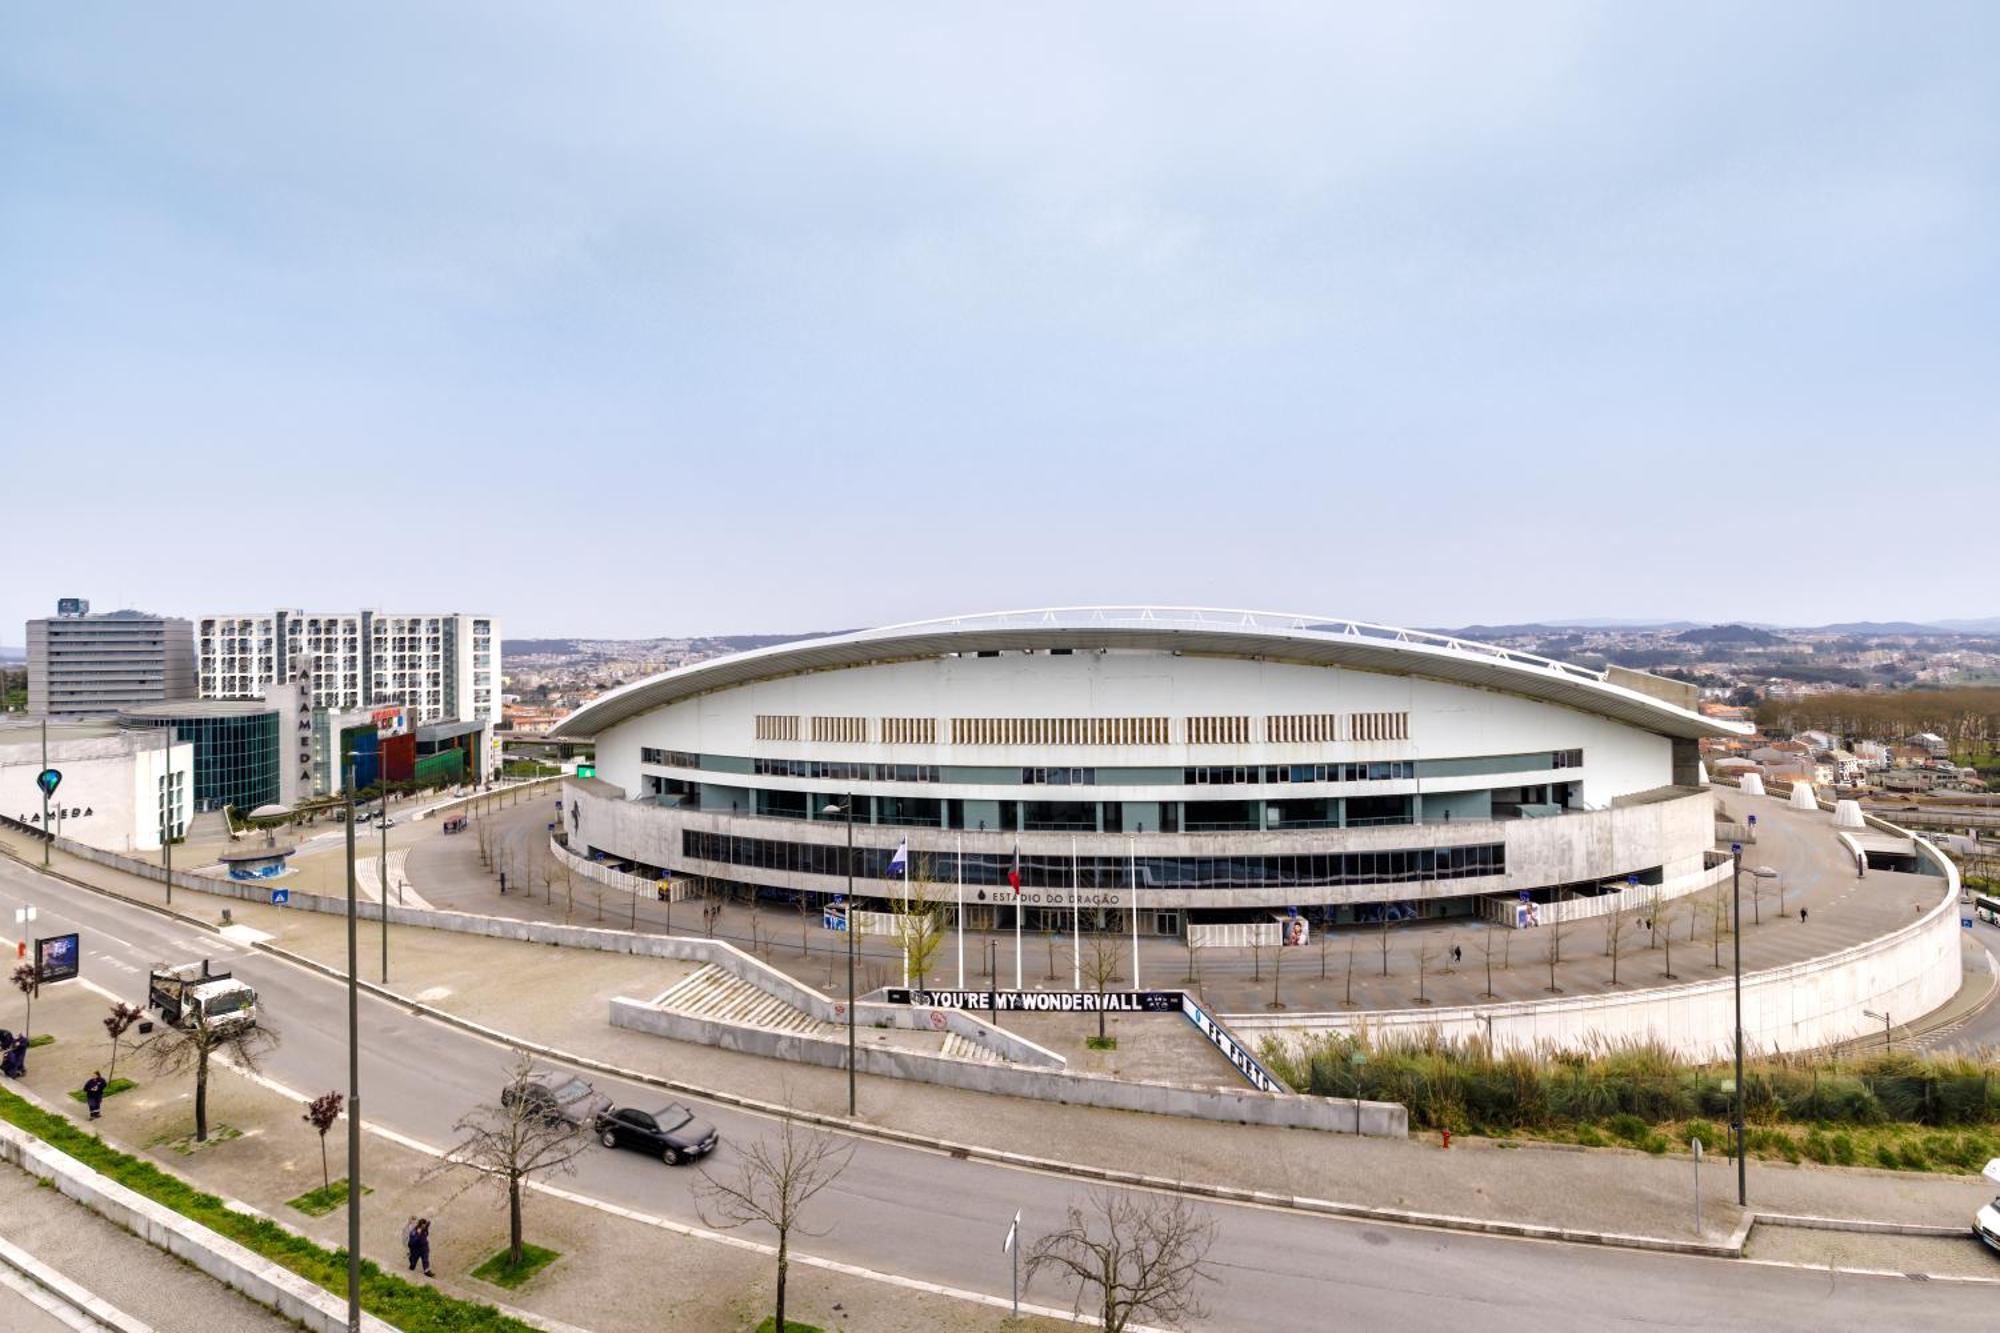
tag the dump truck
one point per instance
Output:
(193, 993)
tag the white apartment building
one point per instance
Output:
(442, 666)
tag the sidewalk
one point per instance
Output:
(116, 1266)
(616, 1274)
(544, 996)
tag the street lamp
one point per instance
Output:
(1736, 939)
(1887, 1041)
(846, 809)
(353, 1085)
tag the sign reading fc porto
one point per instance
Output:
(1045, 1001)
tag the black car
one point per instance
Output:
(557, 1096)
(671, 1133)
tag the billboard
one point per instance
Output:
(72, 606)
(1045, 1001)
(59, 958)
(390, 722)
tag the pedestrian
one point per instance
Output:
(1802, 916)
(410, 1242)
(17, 1057)
(420, 1245)
(93, 1093)
(503, 883)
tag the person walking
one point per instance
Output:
(17, 1056)
(93, 1092)
(1802, 916)
(410, 1242)
(420, 1245)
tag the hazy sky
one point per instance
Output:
(628, 320)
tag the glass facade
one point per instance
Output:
(1300, 870)
(236, 757)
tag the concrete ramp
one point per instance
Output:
(709, 992)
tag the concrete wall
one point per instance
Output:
(1242, 1105)
(1644, 896)
(1803, 1006)
(223, 1259)
(111, 783)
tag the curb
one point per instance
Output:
(1803, 1222)
(99, 1312)
(1731, 1248)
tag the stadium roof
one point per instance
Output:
(1272, 636)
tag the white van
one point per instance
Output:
(1986, 1222)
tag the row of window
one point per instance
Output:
(1059, 731)
(670, 758)
(1238, 775)
(1301, 870)
(1232, 729)
(840, 730)
(1218, 730)
(1059, 777)
(839, 772)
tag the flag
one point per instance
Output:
(900, 862)
(1014, 871)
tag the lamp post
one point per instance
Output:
(1736, 939)
(846, 808)
(1888, 1041)
(353, 1084)
(48, 834)
(382, 822)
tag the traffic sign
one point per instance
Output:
(48, 780)
(1965, 922)
(281, 897)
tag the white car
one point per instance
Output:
(1986, 1222)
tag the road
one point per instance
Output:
(939, 1219)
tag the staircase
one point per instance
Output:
(711, 992)
(965, 1048)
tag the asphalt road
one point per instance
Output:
(939, 1219)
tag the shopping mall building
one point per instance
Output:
(1230, 765)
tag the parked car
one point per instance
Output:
(1986, 1222)
(557, 1095)
(385, 821)
(672, 1133)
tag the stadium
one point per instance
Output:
(1196, 766)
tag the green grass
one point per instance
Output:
(320, 1202)
(770, 1325)
(1100, 1044)
(111, 1089)
(504, 1274)
(412, 1308)
(44, 1040)
(187, 1145)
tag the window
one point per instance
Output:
(909, 731)
(777, 727)
(1378, 726)
(1568, 759)
(1218, 730)
(1296, 728)
(839, 730)
(1058, 777)
(1059, 731)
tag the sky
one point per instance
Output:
(628, 320)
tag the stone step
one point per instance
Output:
(710, 992)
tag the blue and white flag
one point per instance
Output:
(900, 862)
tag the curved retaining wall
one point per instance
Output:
(1802, 1006)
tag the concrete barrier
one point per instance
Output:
(1239, 1105)
(270, 1285)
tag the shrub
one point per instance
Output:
(1885, 1155)
(1711, 1137)
(1588, 1136)
(1627, 1126)
(1842, 1147)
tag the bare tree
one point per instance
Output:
(1555, 946)
(1132, 1257)
(1719, 923)
(1325, 938)
(1347, 1000)
(510, 1141)
(180, 1050)
(117, 1023)
(807, 909)
(1424, 947)
(1385, 939)
(321, 1113)
(1615, 923)
(775, 1178)
(1667, 913)
(1100, 969)
(919, 926)
(1486, 950)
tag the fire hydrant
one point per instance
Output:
(1447, 1138)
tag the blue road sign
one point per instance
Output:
(1965, 922)
(1524, 895)
(281, 897)
(1753, 821)
(1736, 849)
(48, 780)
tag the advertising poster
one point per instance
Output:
(59, 958)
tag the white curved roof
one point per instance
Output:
(1279, 636)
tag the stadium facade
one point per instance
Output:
(1213, 766)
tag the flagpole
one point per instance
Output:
(1017, 917)
(961, 911)
(1075, 918)
(1133, 871)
